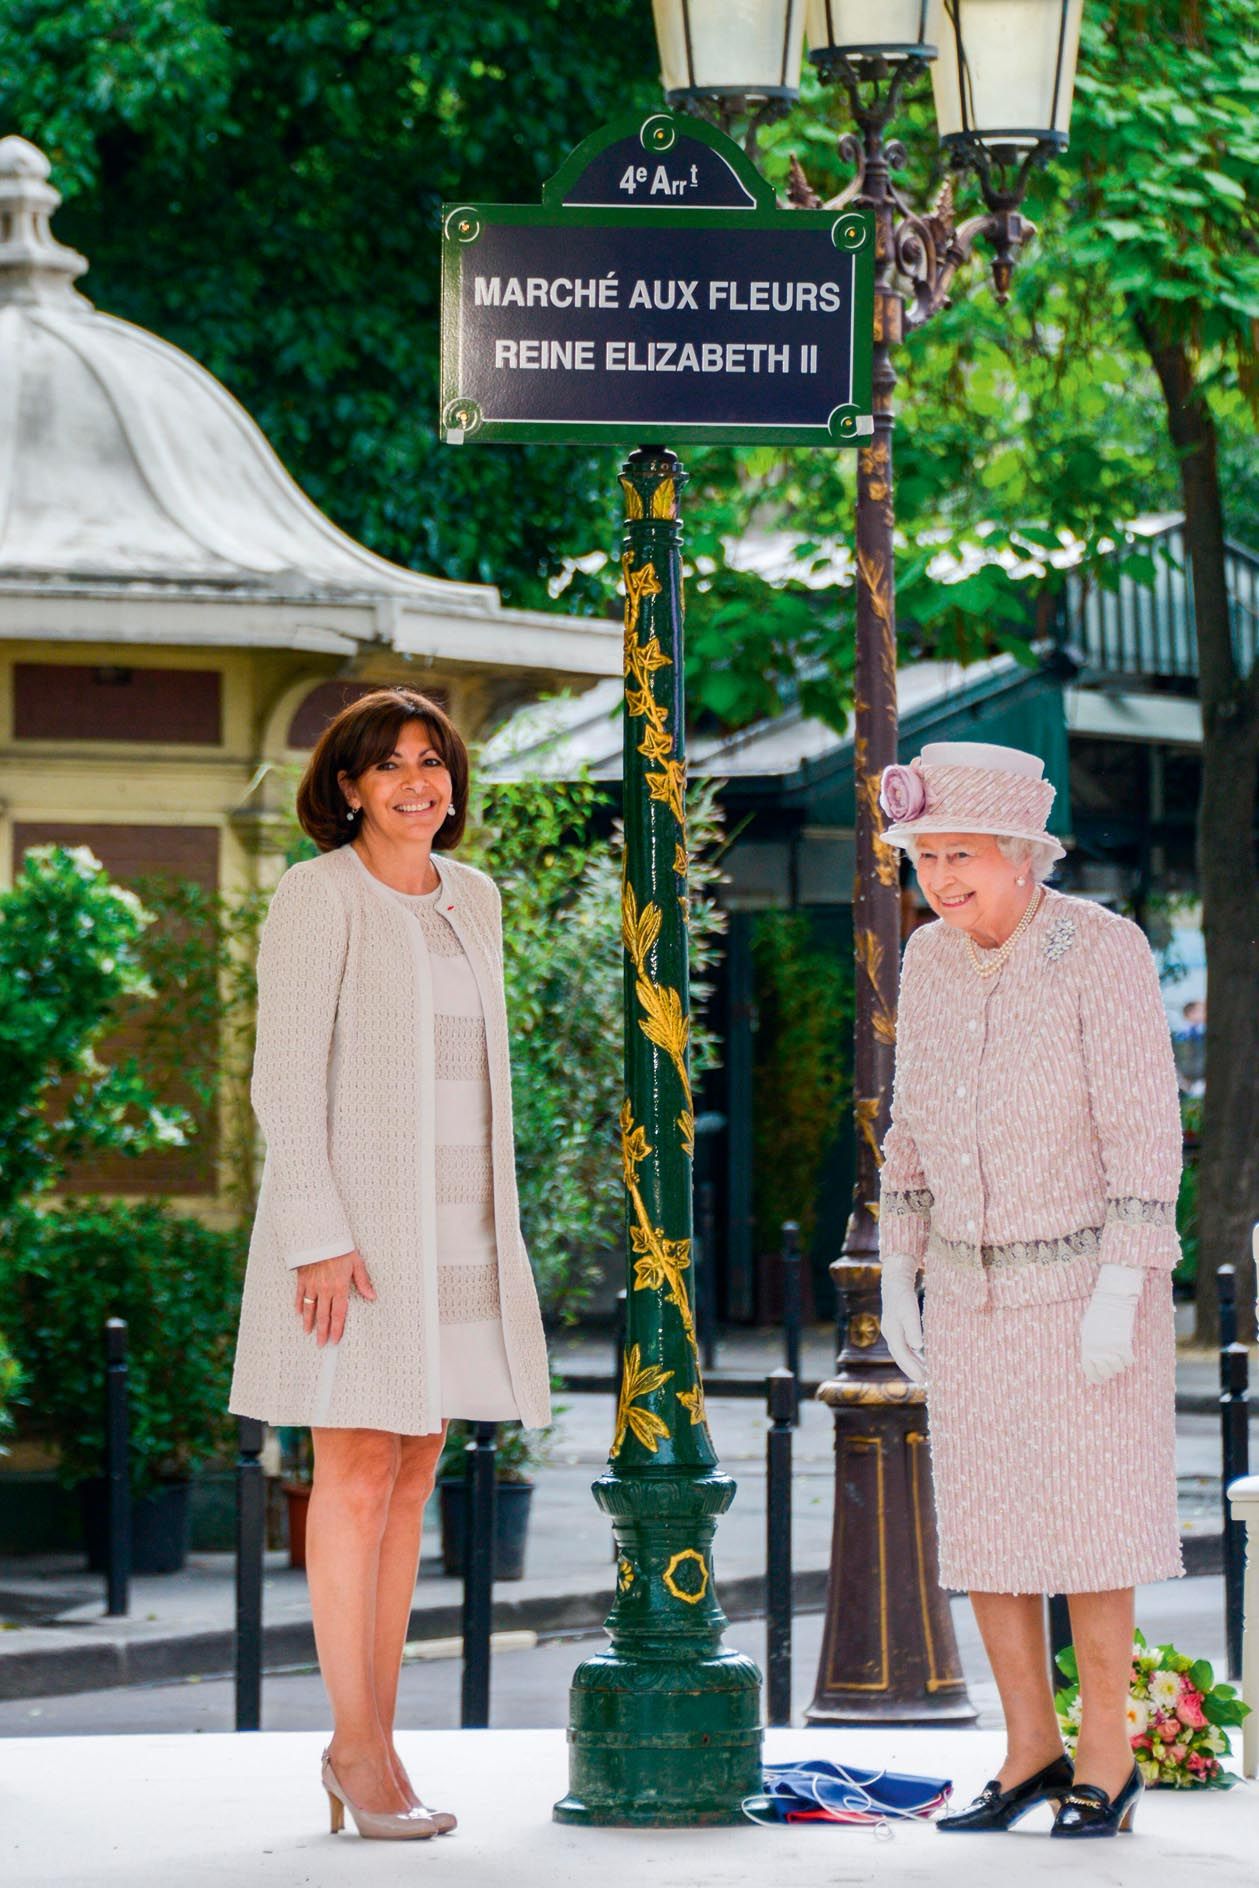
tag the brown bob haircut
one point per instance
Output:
(361, 736)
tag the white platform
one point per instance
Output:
(183, 1812)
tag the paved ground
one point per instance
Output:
(228, 1812)
(530, 1685)
(58, 1640)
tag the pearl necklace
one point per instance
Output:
(989, 966)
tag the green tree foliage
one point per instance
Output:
(562, 950)
(69, 956)
(261, 181)
(177, 1284)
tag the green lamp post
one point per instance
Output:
(664, 1725)
(1003, 72)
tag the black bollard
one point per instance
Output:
(1235, 1462)
(782, 1395)
(1226, 1294)
(791, 1299)
(117, 1472)
(1059, 1634)
(478, 1577)
(250, 1541)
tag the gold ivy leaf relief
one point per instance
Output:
(639, 1380)
(663, 499)
(669, 787)
(681, 864)
(639, 583)
(655, 744)
(635, 1146)
(693, 1401)
(686, 1128)
(633, 498)
(664, 1023)
(660, 1262)
(867, 1112)
(639, 930)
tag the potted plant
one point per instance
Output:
(296, 1476)
(519, 1451)
(175, 1282)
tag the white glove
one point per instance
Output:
(901, 1319)
(1106, 1332)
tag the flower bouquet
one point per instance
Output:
(1177, 1716)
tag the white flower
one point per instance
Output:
(1074, 1711)
(1164, 1690)
(1138, 1715)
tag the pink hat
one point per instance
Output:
(968, 787)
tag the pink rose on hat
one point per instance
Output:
(903, 792)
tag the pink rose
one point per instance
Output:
(902, 793)
(1141, 1743)
(1178, 1752)
(1189, 1709)
(1168, 1728)
(1199, 1766)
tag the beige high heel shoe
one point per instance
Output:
(404, 1825)
(441, 1819)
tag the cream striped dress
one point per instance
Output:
(475, 1379)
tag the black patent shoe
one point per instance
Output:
(1088, 1811)
(995, 1808)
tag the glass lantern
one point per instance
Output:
(730, 49)
(1005, 72)
(893, 30)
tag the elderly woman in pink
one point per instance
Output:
(1030, 1174)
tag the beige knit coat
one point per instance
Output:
(343, 1088)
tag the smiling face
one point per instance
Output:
(968, 881)
(406, 796)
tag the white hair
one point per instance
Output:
(1040, 855)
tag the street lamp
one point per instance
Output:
(731, 57)
(1003, 72)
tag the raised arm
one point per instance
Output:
(301, 957)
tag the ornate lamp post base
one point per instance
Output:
(664, 1726)
(889, 1655)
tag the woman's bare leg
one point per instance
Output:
(1101, 1626)
(355, 1472)
(395, 1581)
(1012, 1626)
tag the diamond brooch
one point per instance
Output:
(1059, 938)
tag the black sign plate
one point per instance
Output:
(605, 314)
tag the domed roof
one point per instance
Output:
(122, 460)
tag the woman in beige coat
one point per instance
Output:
(388, 1288)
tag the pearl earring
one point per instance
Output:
(1020, 881)
(451, 810)
(351, 812)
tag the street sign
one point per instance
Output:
(658, 292)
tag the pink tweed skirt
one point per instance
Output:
(1045, 1483)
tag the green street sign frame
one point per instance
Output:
(591, 367)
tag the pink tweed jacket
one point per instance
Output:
(1035, 1122)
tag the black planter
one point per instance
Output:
(511, 1525)
(159, 1527)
